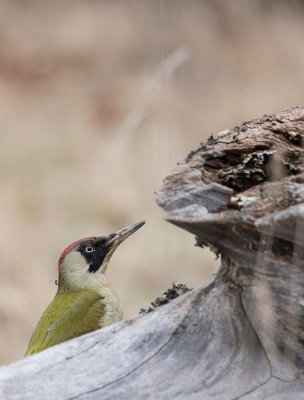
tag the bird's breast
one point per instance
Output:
(113, 310)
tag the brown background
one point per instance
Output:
(73, 77)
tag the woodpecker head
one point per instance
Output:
(84, 262)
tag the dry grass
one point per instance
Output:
(71, 72)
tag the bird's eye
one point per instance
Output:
(90, 249)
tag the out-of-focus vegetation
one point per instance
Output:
(71, 72)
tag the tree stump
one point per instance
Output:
(239, 336)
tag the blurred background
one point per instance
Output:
(99, 101)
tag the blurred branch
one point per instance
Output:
(239, 336)
(133, 120)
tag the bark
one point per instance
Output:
(239, 336)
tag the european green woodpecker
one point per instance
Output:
(84, 301)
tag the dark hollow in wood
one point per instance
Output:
(239, 336)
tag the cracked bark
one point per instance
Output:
(239, 336)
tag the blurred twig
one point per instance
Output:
(133, 120)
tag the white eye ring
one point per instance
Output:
(90, 249)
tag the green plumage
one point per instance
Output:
(69, 315)
(84, 301)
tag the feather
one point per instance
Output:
(69, 315)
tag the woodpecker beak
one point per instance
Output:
(118, 237)
(114, 240)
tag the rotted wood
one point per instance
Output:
(239, 336)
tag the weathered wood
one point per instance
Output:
(240, 336)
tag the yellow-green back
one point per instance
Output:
(69, 315)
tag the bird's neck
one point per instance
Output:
(96, 281)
